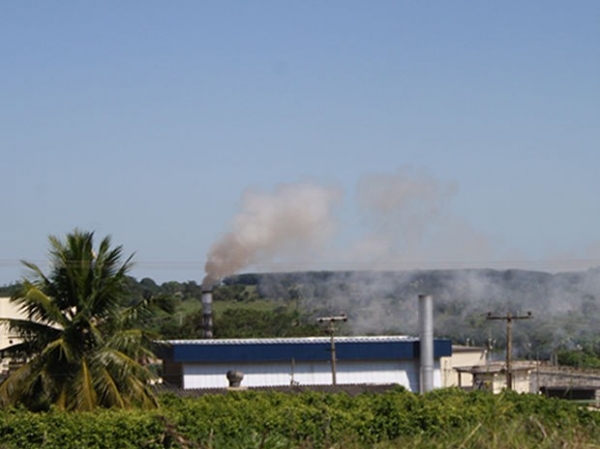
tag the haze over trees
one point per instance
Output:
(565, 307)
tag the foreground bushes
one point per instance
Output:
(441, 419)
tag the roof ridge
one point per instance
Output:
(292, 340)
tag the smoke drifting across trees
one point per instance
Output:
(565, 306)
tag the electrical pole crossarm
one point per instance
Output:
(509, 316)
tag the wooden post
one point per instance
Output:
(509, 318)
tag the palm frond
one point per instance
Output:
(20, 383)
(134, 343)
(24, 328)
(85, 396)
(61, 400)
(122, 366)
(38, 274)
(108, 391)
(82, 344)
(141, 394)
(32, 336)
(39, 306)
(145, 309)
(60, 350)
(130, 375)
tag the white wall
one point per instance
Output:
(462, 356)
(404, 372)
(7, 310)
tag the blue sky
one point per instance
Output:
(149, 120)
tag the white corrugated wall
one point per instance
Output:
(404, 373)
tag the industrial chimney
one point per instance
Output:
(426, 342)
(207, 321)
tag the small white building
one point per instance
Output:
(192, 364)
(492, 376)
(10, 311)
(462, 356)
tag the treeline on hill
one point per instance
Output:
(248, 419)
(565, 307)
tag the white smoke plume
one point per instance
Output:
(410, 224)
(294, 221)
(405, 214)
(400, 209)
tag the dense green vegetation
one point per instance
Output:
(82, 345)
(241, 311)
(249, 419)
(9, 290)
(586, 357)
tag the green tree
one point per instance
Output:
(80, 345)
(253, 323)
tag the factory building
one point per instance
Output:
(193, 364)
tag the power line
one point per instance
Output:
(555, 264)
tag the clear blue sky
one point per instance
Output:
(147, 120)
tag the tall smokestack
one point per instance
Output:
(426, 342)
(207, 319)
(296, 219)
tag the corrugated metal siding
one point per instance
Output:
(402, 372)
(309, 349)
(437, 375)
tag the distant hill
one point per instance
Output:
(565, 306)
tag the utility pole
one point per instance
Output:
(331, 331)
(509, 318)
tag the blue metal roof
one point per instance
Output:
(300, 349)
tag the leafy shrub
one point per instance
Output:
(271, 420)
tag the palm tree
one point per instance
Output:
(79, 345)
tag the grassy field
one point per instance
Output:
(220, 306)
(186, 308)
